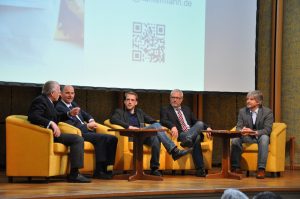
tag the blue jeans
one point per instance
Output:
(194, 133)
(163, 138)
(237, 149)
(154, 143)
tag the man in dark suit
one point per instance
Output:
(183, 124)
(132, 118)
(105, 145)
(43, 113)
(258, 118)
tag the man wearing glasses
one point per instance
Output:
(184, 125)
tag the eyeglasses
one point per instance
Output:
(172, 97)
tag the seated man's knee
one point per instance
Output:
(236, 142)
(78, 139)
(156, 125)
(264, 139)
(199, 125)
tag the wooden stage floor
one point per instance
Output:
(173, 186)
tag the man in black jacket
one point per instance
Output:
(43, 113)
(132, 118)
(182, 122)
(105, 145)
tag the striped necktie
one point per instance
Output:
(180, 118)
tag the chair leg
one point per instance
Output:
(278, 174)
(275, 174)
(173, 172)
(10, 179)
(247, 173)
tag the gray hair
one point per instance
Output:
(49, 87)
(257, 95)
(176, 91)
(234, 194)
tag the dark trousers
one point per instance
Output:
(105, 146)
(154, 143)
(76, 144)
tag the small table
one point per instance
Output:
(226, 135)
(139, 135)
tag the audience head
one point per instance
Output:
(233, 194)
(267, 195)
(176, 98)
(52, 90)
(254, 99)
(68, 94)
(131, 100)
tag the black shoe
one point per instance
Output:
(200, 173)
(78, 179)
(177, 153)
(187, 143)
(103, 175)
(155, 172)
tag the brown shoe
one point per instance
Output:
(260, 174)
(236, 170)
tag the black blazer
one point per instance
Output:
(264, 120)
(121, 117)
(42, 111)
(169, 119)
(74, 121)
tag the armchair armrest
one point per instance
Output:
(122, 140)
(104, 129)
(278, 138)
(67, 128)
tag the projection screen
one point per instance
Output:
(193, 45)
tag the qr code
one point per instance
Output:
(148, 42)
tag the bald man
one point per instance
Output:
(105, 145)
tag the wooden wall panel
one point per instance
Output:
(22, 98)
(100, 104)
(290, 94)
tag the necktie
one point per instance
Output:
(180, 118)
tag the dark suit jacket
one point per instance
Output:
(169, 119)
(264, 120)
(42, 111)
(84, 116)
(121, 117)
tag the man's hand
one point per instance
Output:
(209, 133)
(56, 130)
(75, 111)
(133, 127)
(246, 131)
(174, 132)
(92, 125)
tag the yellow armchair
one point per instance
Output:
(276, 155)
(186, 162)
(31, 151)
(125, 151)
